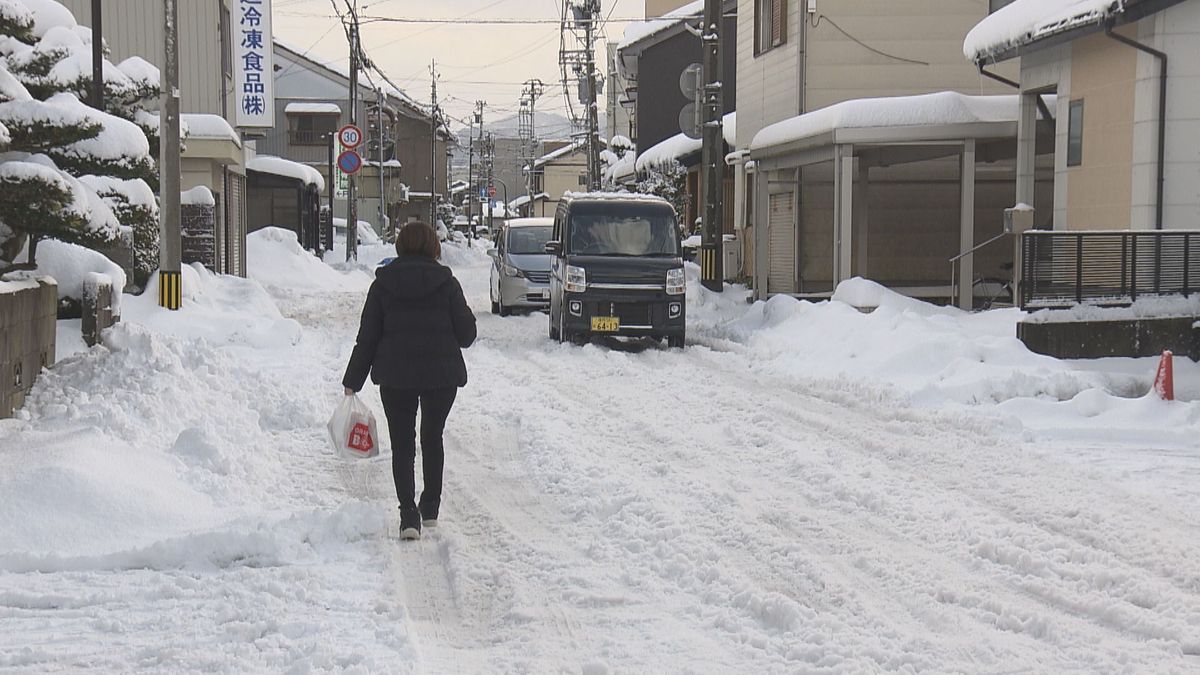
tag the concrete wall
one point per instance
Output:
(135, 28)
(28, 322)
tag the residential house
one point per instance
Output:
(556, 173)
(805, 199)
(1125, 81)
(652, 61)
(215, 155)
(404, 162)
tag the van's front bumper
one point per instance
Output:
(637, 313)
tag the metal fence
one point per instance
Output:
(1107, 268)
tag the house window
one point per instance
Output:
(1075, 134)
(311, 129)
(994, 5)
(770, 24)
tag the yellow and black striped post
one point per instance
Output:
(708, 264)
(170, 290)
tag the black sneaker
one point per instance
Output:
(410, 524)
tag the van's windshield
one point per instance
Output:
(623, 230)
(528, 240)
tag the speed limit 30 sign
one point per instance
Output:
(350, 136)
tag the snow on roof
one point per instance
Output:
(210, 127)
(287, 168)
(559, 153)
(937, 109)
(636, 32)
(1026, 21)
(300, 107)
(680, 146)
(519, 202)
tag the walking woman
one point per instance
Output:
(414, 327)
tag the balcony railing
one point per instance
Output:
(308, 137)
(1107, 268)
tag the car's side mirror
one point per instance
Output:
(554, 247)
(492, 253)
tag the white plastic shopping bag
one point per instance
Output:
(352, 429)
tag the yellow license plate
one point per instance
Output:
(606, 324)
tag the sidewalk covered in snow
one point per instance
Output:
(890, 189)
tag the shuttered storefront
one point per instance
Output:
(781, 230)
(235, 224)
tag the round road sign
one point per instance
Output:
(349, 162)
(491, 190)
(350, 136)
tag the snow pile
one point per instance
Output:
(221, 310)
(934, 355)
(197, 196)
(1145, 307)
(72, 265)
(288, 169)
(1025, 21)
(366, 231)
(276, 259)
(933, 110)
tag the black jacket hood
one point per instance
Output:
(413, 277)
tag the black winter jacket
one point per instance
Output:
(414, 327)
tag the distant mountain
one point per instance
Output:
(548, 126)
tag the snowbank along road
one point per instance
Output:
(169, 502)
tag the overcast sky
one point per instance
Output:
(476, 62)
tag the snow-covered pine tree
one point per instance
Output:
(51, 138)
(668, 180)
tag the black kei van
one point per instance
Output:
(616, 269)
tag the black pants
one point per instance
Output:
(400, 406)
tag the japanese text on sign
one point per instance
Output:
(252, 58)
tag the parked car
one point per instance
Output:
(520, 266)
(616, 269)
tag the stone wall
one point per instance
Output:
(1099, 339)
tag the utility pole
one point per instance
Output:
(593, 118)
(352, 188)
(434, 118)
(97, 56)
(470, 165)
(490, 147)
(473, 192)
(383, 214)
(527, 130)
(713, 160)
(170, 277)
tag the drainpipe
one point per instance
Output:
(1162, 114)
(1041, 103)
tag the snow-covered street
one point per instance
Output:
(805, 488)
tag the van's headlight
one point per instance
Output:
(511, 271)
(576, 281)
(676, 281)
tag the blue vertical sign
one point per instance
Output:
(253, 63)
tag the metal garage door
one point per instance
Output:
(235, 224)
(781, 230)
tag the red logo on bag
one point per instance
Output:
(360, 438)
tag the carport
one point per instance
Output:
(820, 178)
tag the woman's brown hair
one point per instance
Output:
(418, 238)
